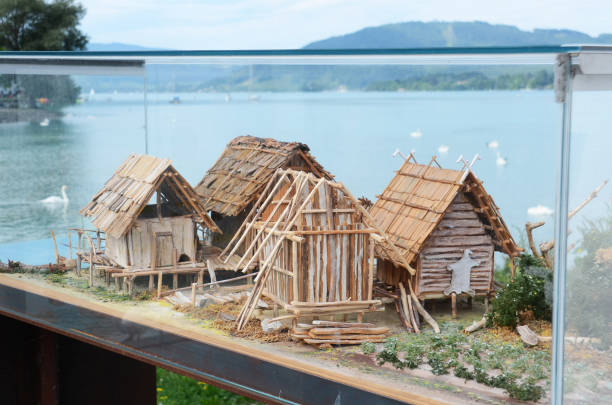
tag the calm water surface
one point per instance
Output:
(353, 135)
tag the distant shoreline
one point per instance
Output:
(15, 115)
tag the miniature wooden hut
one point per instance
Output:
(446, 226)
(314, 244)
(136, 232)
(234, 182)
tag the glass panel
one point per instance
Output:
(588, 335)
(360, 116)
(61, 136)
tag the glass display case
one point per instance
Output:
(317, 226)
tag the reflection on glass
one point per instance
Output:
(360, 122)
(59, 136)
(588, 337)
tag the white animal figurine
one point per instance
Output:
(53, 200)
(460, 277)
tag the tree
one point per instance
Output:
(37, 25)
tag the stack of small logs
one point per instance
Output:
(323, 334)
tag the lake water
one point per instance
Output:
(353, 135)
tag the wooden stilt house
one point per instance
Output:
(447, 228)
(140, 235)
(314, 243)
(233, 183)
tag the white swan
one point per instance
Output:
(44, 123)
(493, 145)
(500, 161)
(55, 199)
(417, 134)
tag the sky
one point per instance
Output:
(287, 24)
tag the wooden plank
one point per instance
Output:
(294, 264)
(346, 341)
(461, 240)
(322, 323)
(325, 211)
(350, 331)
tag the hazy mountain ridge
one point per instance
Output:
(453, 34)
(118, 47)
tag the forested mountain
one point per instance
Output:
(453, 34)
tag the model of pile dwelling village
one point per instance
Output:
(269, 214)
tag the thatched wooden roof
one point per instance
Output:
(245, 167)
(115, 208)
(414, 202)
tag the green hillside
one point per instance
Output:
(452, 34)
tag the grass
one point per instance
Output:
(174, 389)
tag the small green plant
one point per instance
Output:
(413, 356)
(527, 292)
(368, 348)
(56, 278)
(526, 391)
(462, 372)
(389, 354)
(437, 363)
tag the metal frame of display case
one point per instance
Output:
(261, 375)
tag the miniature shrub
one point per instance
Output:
(437, 363)
(389, 354)
(462, 372)
(501, 381)
(368, 348)
(527, 292)
(414, 355)
(526, 391)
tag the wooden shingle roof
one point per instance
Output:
(414, 202)
(245, 167)
(115, 208)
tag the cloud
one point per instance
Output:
(251, 24)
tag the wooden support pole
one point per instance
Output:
(359, 317)
(407, 308)
(486, 303)
(151, 282)
(160, 278)
(55, 248)
(99, 241)
(371, 269)
(175, 275)
(78, 257)
(131, 286)
(193, 294)
(91, 268)
(454, 305)
(294, 257)
(69, 245)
